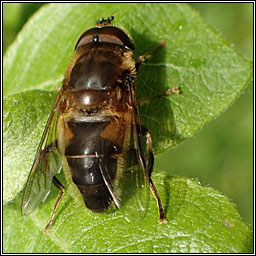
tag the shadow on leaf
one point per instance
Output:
(175, 195)
(156, 115)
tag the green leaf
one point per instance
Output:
(201, 220)
(24, 120)
(210, 74)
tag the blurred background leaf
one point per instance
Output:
(225, 143)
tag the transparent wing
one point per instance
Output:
(134, 183)
(123, 172)
(139, 170)
(112, 185)
(47, 163)
(139, 173)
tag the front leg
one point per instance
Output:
(141, 59)
(145, 56)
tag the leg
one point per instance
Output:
(140, 60)
(162, 218)
(145, 56)
(174, 90)
(51, 147)
(61, 194)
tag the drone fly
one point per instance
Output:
(94, 129)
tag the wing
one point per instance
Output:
(47, 163)
(130, 186)
(139, 171)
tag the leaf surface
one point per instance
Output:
(208, 71)
(210, 75)
(201, 220)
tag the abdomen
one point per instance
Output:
(89, 155)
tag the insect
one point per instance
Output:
(94, 129)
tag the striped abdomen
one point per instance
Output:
(89, 157)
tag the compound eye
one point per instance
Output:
(108, 34)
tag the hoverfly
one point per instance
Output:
(94, 128)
